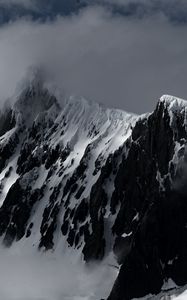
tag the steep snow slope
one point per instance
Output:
(50, 160)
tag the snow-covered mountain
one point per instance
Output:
(76, 176)
(51, 158)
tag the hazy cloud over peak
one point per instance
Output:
(123, 62)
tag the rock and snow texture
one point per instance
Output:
(78, 178)
(51, 156)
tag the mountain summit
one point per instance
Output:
(103, 182)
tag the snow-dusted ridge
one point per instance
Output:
(175, 106)
(79, 181)
(173, 103)
(171, 98)
(76, 132)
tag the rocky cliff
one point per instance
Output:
(78, 175)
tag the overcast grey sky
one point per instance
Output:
(120, 60)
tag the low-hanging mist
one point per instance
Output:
(46, 277)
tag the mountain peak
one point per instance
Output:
(34, 98)
(173, 102)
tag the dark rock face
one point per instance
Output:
(7, 121)
(7, 150)
(48, 227)
(15, 212)
(158, 251)
(159, 245)
(95, 242)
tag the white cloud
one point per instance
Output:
(126, 63)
